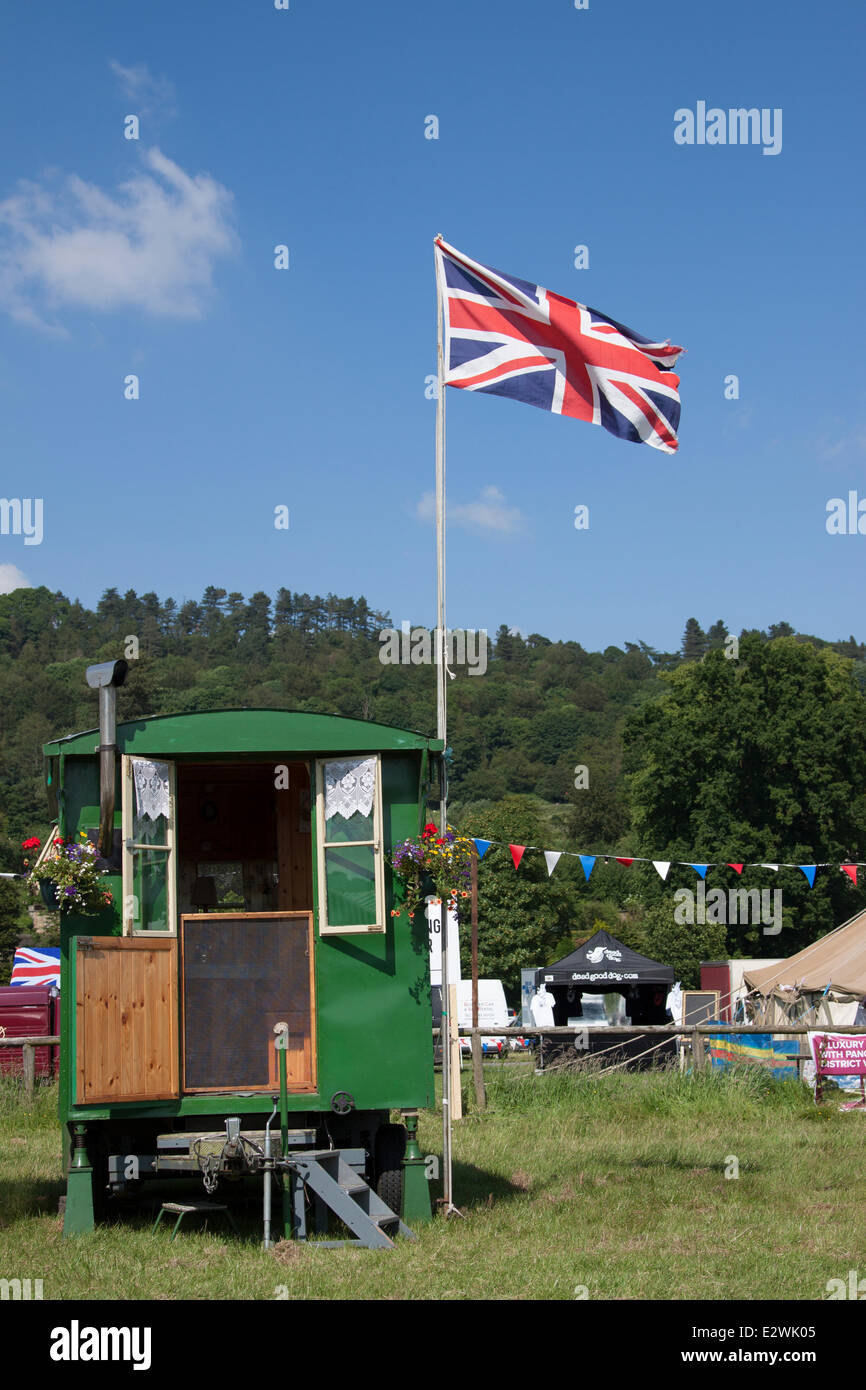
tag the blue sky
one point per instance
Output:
(306, 387)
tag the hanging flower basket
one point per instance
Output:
(65, 875)
(444, 859)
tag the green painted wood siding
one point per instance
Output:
(372, 991)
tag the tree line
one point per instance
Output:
(688, 753)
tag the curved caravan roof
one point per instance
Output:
(245, 731)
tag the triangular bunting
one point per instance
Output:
(661, 866)
(551, 859)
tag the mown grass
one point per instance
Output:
(570, 1181)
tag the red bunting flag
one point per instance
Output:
(851, 871)
(625, 861)
(737, 868)
(517, 854)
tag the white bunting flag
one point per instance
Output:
(662, 866)
(774, 867)
(551, 859)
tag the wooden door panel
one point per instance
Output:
(294, 843)
(243, 974)
(126, 1019)
(300, 1073)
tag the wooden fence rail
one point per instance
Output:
(672, 1028)
(696, 1033)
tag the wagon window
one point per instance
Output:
(148, 844)
(228, 883)
(351, 875)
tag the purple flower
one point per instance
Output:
(406, 853)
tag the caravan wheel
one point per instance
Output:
(389, 1148)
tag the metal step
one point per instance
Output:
(338, 1185)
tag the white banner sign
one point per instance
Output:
(433, 913)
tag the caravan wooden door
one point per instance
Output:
(126, 1018)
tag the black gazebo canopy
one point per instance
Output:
(605, 961)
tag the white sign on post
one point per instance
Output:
(433, 913)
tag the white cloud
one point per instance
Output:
(488, 513)
(151, 246)
(12, 578)
(854, 442)
(151, 95)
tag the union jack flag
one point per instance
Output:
(509, 337)
(32, 967)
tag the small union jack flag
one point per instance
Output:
(32, 967)
(512, 338)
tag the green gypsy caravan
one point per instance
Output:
(249, 1002)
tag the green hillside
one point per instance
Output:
(708, 753)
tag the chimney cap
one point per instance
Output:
(106, 673)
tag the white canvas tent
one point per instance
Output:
(825, 982)
(738, 969)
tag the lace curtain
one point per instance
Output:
(152, 794)
(349, 787)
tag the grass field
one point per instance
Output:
(571, 1185)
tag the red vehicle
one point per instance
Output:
(29, 1011)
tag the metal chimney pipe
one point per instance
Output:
(105, 677)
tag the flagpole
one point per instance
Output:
(441, 697)
(442, 733)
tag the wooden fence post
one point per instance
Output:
(698, 1053)
(478, 1071)
(28, 1061)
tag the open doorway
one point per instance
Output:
(245, 902)
(243, 844)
